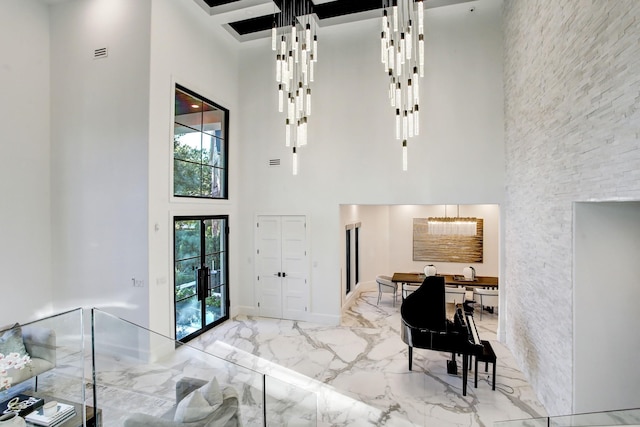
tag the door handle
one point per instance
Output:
(279, 274)
(199, 287)
(284, 274)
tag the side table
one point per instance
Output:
(93, 417)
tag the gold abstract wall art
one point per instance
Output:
(448, 239)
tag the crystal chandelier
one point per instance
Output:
(294, 39)
(402, 53)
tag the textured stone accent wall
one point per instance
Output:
(572, 123)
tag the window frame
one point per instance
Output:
(225, 151)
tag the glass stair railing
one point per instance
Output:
(627, 417)
(116, 373)
(142, 378)
(57, 370)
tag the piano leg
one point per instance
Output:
(410, 357)
(465, 362)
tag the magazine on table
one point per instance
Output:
(21, 403)
(63, 412)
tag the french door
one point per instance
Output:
(282, 269)
(201, 286)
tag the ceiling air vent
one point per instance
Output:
(99, 53)
(274, 162)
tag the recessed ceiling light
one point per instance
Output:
(195, 106)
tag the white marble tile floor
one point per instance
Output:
(355, 374)
(359, 370)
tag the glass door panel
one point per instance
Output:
(214, 243)
(187, 260)
(201, 288)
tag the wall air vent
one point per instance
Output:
(274, 162)
(100, 53)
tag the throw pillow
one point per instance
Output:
(192, 408)
(11, 341)
(212, 393)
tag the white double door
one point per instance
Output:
(282, 267)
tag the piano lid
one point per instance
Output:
(425, 307)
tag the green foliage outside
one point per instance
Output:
(196, 170)
(188, 257)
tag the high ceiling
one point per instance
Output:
(253, 19)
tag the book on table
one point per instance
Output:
(63, 412)
(21, 403)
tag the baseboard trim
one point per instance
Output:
(323, 319)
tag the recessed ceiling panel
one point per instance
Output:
(327, 12)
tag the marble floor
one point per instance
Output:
(359, 370)
(351, 375)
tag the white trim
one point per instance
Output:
(324, 319)
(360, 287)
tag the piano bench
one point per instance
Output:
(487, 356)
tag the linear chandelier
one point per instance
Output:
(448, 226)
(294, 38)
(402, 53)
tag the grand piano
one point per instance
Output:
(425, 325)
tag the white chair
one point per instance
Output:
(454, 295)
(386, 285)
(486, 298)
(408, 289)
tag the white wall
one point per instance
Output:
(401, 237)
(571, 131)
(386, 237)
(352, 157)
(111, 150)
(374, 244)
(185, 49)
(99, 159)
(606, 295)
(25, 213)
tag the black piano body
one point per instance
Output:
(425, 325)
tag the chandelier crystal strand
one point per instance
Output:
(404, 155)
(294, 39)
(402, 56)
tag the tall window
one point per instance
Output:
(200, 147)
(352, 253)
(348, 261)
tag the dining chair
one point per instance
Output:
(387, 286)
(486, 298)
(454, 295)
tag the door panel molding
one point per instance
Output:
(282, 266)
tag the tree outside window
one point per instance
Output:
(199, 147)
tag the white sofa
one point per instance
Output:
(198, 404)
(36, 341)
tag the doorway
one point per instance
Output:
(201, 287)
(282, 270)
(606, 292)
